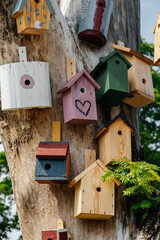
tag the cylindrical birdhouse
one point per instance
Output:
(95, 21)
(25, 84)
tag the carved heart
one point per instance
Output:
(84, 108)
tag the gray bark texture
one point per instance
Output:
(39, 206)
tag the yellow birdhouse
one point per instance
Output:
(33, 16)
(157, 42)
(139, 77)
(94, 199)
(115, 140)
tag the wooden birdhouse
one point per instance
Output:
(115, 140)
(57, 234)
(157, 42)
(79, 102)
(52, 162)
(95, 21)
(140, 78)
(33, 16)
(25, 84)
(112, 75)
(94, 199)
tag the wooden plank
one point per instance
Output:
(157, 42)
(22, 54)
(133, 52)
(90, 157)
(71, 67)
(60, 223)
(52, 150)
(56, 131)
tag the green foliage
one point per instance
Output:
(150, 114)
(8, 221)
(141, 180)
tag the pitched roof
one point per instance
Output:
(112, 121)
(105, 59)
(158, 20)
(132, 52)
(52, 150)
(22, 3)
(86, 171)
(75, 78)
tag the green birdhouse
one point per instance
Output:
(112, 75)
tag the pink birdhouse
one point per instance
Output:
(79, 101)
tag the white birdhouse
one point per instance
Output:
(25, 84)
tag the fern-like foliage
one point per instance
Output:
(142, 182)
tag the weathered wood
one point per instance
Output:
(90, 157)
(70, 67)
(39, 206)
(60, 223)
(56, 131)
(140, 78)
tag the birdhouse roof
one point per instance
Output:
(90, 168)
(105, 59)
(74, 79)
(52, 150)
(132, 52)
(158, 22)
(120, 116)
(22, 3)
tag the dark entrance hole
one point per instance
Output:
(47, 166)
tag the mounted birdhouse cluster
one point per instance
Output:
(33, 16)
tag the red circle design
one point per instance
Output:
(25, 78)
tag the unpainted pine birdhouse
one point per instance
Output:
(56, 234)
(115, 140)
(95, 20)
(79, 102)
(157, 42)
(94, 199)
(25, 84)
(140, 78)
(33, 16)
(52, 162)
(112, 75)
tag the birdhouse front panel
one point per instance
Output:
(139, 77)
(79, 102)
(25, 85)
(34, 17)
(57, 234)
(52, 162)
(95, 21)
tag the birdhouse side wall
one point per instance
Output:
(157, 42)
(84, 100)
(25, 85)
(68, 108)
(97, 197)
(77, 199)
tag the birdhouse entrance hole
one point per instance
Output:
(98, 189)
(47, 167)
(49, 239)
(120, 132)
(37, 1)
(117, 62)
(100, 4)
(144, 81)
(27, 82)
(82, 90)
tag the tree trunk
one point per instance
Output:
(39, 206)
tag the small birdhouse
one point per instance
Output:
(79, 102)
(112, 75)
(33, 16)
(140, 78)
(57, 234)
(157, 42)
(115, 140)
(25, 84)
(52, 162)
(94, 199)
(95, 20)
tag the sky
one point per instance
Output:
(149, 14)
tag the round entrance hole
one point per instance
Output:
(119, 132)
(37, 1)
(49, 239)
(144, 81)
(82, 90)
(27, 82)
(98, 189)
(47, 166)
(117, 62)
(100, 4)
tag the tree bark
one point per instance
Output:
(39, 206)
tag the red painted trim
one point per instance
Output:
(101, 5)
